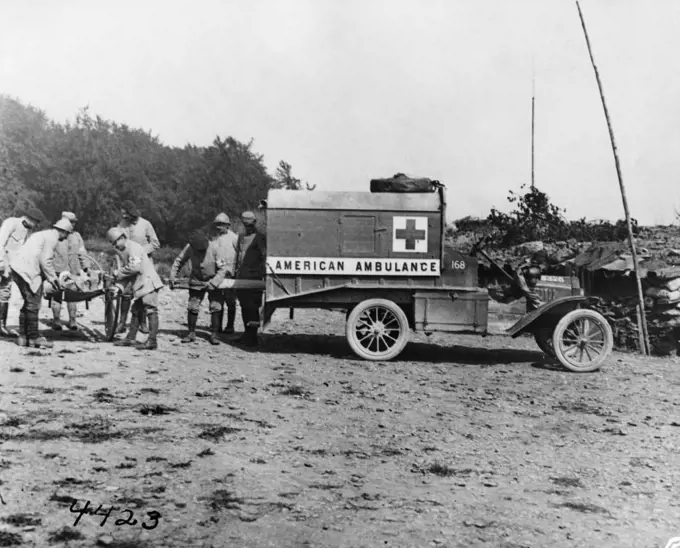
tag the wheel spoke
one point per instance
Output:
(598, 351)
(366, 336)
(580, 354)
(391, 321)
(571, 332)
(390, 336)
(364, 322)
(585, 348)
(571, 351)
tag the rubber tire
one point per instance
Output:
(402, 339)
(564, 323)
(111, 313)
(544, 340)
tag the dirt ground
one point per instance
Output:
(461, 442)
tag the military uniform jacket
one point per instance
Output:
(70, 254)
(226, 249)
(13, 234)
(206, 268)
(138, 270)
(142, 232)
(251, 256)
(34, 262)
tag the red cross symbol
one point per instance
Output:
(410, 234)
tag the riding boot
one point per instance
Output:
(192, 320)
(35, 340)
(22, 340)
(143, 327)
(56, 315)
(122, 320)
(231, 316)
(151, 343)
(215, 323)
(4, 330)
(72, 315)
(131, 337)
(245, 316)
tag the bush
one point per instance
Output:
(536, 218)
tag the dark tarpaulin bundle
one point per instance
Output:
(403, 184)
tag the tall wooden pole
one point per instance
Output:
(645, 349)
(533, 111)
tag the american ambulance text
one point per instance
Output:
(354, 266)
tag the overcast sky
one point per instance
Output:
(350, 90)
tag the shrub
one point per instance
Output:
(535, 217)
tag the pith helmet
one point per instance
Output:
(70, 216)
(114, 233)
(64, 224)
(248, 218)
(222, 219)
(35, 214)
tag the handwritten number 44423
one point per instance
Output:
(153, 515)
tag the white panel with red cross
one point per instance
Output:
(409, 234)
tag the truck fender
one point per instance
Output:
(556, 308)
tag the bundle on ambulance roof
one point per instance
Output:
(403, 183)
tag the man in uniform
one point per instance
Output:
(14, 232)
(31, 267)
(226, 239)
(251, 253)
(139, 275)
(527, 276)
(141, 231)
(208, 268)
(69, 256)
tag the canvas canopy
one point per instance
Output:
(611, 256)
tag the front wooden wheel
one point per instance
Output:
(377, 329)
(583, 340)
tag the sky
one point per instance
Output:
(346, 91)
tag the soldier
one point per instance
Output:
(526, 278)
(139, 230)
(31, 266)
(13, 234)
(139, 274)
(226, 240)
(208, 268)
(251, 253)
(69, 256)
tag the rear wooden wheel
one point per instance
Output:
(377, 329)
(583, 340)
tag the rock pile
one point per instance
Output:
(662, 306)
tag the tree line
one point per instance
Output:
(91, 165)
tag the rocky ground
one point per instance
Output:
(460, 442)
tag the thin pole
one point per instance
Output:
(533, 111)
(643, 320)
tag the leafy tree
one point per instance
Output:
(535, 217)
(90, 165)
(283, 178)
